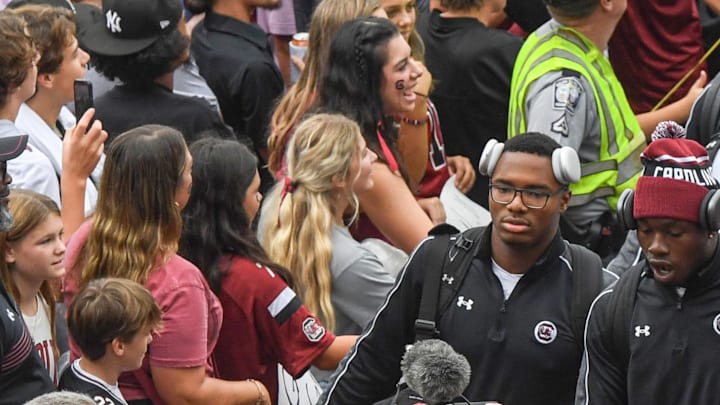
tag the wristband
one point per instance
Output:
(416, 123)
(261, 396)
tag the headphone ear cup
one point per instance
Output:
(566, 165)
(625, 206)
(710, 211)
(489, 157)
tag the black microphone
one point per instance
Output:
(434, 370)
(400, 84)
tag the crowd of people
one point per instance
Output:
(209, 231)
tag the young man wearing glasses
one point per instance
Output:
(511, 315)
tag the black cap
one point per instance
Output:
(12, 146)
(130, 26)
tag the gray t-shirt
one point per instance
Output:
(360, 283)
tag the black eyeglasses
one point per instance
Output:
(533, 199)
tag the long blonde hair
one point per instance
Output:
(137, 223)
(327, 18)
(29, 209)
(301, 209)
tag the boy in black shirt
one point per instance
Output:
(111, 321)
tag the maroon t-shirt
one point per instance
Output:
(264, 324)
(654, 45)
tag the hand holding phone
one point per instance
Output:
(83, 99)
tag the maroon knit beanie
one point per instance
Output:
(676, 178)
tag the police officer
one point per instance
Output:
(564, 86)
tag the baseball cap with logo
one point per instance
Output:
(130, 26)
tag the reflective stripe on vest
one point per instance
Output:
(617, 165)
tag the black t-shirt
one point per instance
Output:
(235, 59)
(77, 380)
(22, 375)
(124, 108)
(471, 66)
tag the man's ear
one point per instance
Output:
(608, 5)
(565, 200)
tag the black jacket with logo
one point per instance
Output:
(674, 341)
(522, 350)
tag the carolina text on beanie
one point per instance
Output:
(676, 178)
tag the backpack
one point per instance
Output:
(449, 258)
(620, 307)
(703, 123)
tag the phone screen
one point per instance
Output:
(83, 98)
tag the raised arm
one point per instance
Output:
(82, 149)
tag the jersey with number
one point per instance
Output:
(436, 172)
(75, 379)
(41, 333)
(264, 324)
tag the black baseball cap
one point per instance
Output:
(12, 141)
(130, 26)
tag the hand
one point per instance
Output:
(298, 62)
(433, 208)
(82, 148)
(695, 90)
(464, 172)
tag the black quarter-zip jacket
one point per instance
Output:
(674, 341)
(522, 350)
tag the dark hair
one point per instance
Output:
(214, 221)
(17, 52)
(532, 142)
(199, 6)
(52, 29)
(353, 77)
(572, 8)
(142, 68)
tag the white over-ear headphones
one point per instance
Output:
(565, 162)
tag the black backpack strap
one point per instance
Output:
(587, 285)
(435, 262)
(448, 257)
(620, 309)
(461, 254)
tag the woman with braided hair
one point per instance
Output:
(371, 78)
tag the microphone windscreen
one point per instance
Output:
(434, 370)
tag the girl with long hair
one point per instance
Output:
(420, 140)
(371, 77)
(329, 163)
(260, 307)
(134, 234)
(32, 267)
(327, 18)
